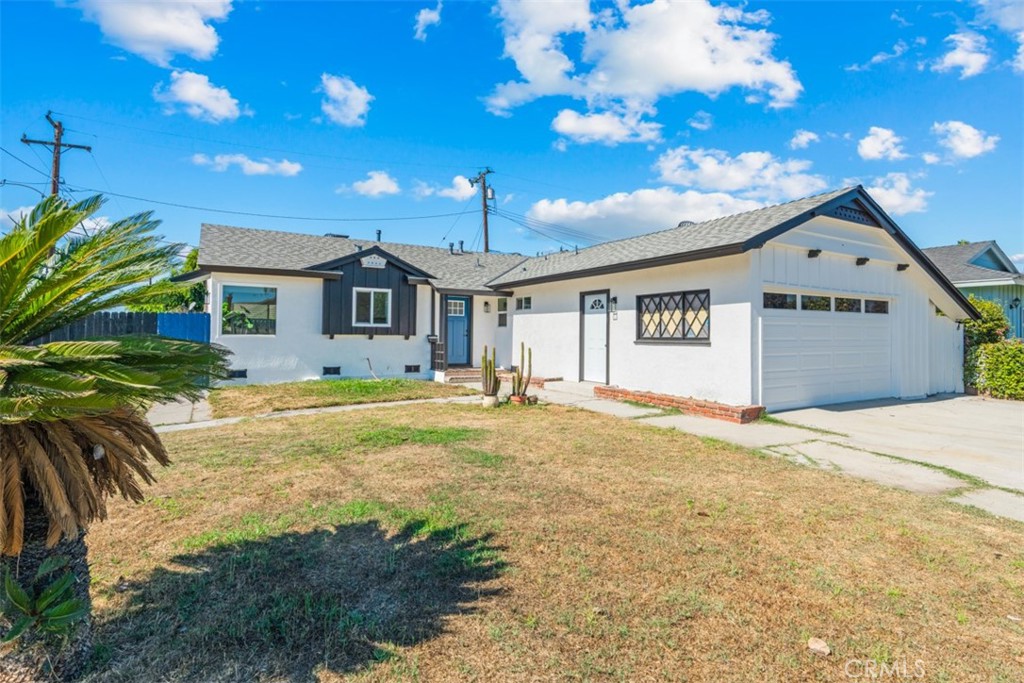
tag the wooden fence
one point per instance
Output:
(188, 326)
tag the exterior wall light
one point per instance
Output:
(1015, 303)
(900, 267)
(861, 260)
(487, 307)
(813, 253)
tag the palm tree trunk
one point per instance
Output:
(36, 656)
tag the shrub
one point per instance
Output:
(997, 369)
(990, 328)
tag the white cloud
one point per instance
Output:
(930, 158)
(898, 18)
(631, 56)
(759, 175)
(970, 54)
(607, 127)
(702, 120)
(460, 189)
(156, 31)
(426, 18)
(1018, 260)
(198, 97)
(963, 141)
(344, 103)
(898, 50)
(803, 138)
(9, 218)
(897, 196)
(377, 184)
(881, 143)
(1007, 15)
(625, 214)
(222, 162)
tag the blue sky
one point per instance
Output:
(600, 120)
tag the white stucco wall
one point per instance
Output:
(299, 351)
(719, 371)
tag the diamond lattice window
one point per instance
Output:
(674, 316)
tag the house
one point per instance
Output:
(816, 301)
(984, 270)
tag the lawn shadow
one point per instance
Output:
(284, 607)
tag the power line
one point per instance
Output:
(248, 145)
(58, 149)
(563, 231)
(535, 230)
(23, 162)
(253, 214)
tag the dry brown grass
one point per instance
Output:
(448, 542)
(258, 399)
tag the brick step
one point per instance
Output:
(462, 376)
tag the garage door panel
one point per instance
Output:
(817, 358)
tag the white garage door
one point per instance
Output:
(814, 357)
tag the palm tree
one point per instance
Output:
(73, 429)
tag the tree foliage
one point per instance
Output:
(190, 298)
(72, 414)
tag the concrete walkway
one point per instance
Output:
(866, 455)
(169, 411)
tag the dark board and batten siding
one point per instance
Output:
(337, 309)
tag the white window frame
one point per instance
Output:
(371, 291)
(219, 305)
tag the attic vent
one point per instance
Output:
(412, 368)
(335, 234)
(332, 370)
(683, 224)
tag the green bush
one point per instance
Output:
(990, 328)
(997, 369)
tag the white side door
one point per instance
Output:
(594, 344)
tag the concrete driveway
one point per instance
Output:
(966, 449)
(982, 437)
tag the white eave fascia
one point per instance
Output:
(989, 283)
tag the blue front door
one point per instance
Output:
(458, 330)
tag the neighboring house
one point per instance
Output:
(984, 270)
(816, 301)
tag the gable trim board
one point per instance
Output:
(737, 258)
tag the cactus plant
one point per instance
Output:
(489, 373)
(521, 383)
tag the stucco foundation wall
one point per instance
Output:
(719, 371)
(298, 351)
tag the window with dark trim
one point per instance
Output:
(524, 303)
(846, 305)
(780, 301)
(371, 307)
(810, 302)
(674, 316)
(248, 310)
(876, 306)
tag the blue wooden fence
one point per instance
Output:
(189, 326)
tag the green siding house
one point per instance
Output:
(984, 270)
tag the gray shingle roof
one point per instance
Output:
(227, 246)
(955, 263)
(694, 237)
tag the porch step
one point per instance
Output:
(462, 376)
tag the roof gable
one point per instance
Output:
(339, 263)
(973, 262)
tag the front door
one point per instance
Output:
(458, 330)
(594, 333)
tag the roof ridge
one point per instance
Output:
(690, 226)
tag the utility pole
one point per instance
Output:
(482, 179)
(58, 147)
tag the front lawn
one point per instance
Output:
(451, 542)
(257, 399)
